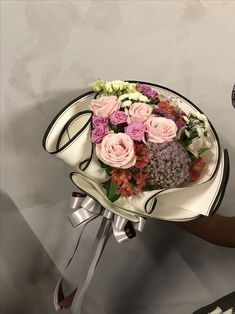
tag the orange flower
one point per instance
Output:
(126, 190)
(196, 168)
(140, 179)
(142, 155)
(166, 106)
(120, 176)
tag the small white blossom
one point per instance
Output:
(134, 96)
(186, 119)
(200, 116)
(143, 98)
(126, 103)
(195, 146)
(97, 86)
(108, 87)
(118, 85)
(200, 132)
(124, 96)
(131, 88)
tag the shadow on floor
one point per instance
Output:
(28, 275)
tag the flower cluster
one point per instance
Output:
(143, 141)
(146, 90)
(194, 134)
(113, 88)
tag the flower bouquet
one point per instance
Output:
(138, 150)
(144, 141)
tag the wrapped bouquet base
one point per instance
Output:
(88, 131)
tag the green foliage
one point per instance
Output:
(114, 128)
(111, 189)
(149, 187)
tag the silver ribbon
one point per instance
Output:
(86, 210)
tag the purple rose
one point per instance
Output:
(135, 130)
(98, 133)
(118, 117)
(99, 120)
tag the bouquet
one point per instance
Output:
(144, 141)
(138, 150)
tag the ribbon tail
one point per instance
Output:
(100, 242)
(60, 301)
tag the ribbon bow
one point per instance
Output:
(86, 210)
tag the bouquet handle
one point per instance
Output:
(87, 209)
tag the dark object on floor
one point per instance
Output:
(224, 303)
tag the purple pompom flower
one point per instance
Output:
(168, 165)
(136, 131)
(118, 117)
(98, 134)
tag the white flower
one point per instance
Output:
(124, 96)
(143, 98)
(108, 87)
(186, 119)
(118, 85)
(97, 86)
(200, 132)
(131, 88)
(134, 96)
(200, 116)
(128, 98)
(195, 146)
(126, 103)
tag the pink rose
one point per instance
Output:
(117, 150)
(160, 129)
(118, 117)
(135, 131)
(99, 120)
(105, 106)
(98, 133)
(139, 112)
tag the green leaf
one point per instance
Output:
(108, 170)
(149, 187)
(114, 128)
(106, 184)
(132, 181)
(185, 141)
(112, 192)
